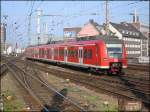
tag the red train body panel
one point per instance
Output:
(96, 54)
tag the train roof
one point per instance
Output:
(106, 39)
(110, 39)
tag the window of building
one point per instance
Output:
(136, 40)
(137, 34)
(130, 33)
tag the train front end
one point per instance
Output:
(114, 56)
(117, 58)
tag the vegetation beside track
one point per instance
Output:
(11, 102)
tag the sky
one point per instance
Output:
(73, 14)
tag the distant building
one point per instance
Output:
(140, 26)
(3, 37)
(71, 33)
(9, 49)
(91, 29)
(135, 42)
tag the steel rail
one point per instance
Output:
(69, 73)
(52, 89)
(26, 87)
(100, 79)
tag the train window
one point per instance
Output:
(85, 53)
(88, 53)
(45, 52)
(61, 52)
(76, 53)
(72, 53)
(55, 52)
(69, 53)
(114, 50)
(42, 51)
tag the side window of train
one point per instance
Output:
(55, 52)
(42, 51)
(75, 53)
(85, 53)
(61, 52)
(39, 51)
(50, 52)
(89, 54)
(45, 52)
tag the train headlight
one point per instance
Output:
(105, 59)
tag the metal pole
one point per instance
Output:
(38, 18)
(5, 27)
(141, 48)
(29, 30)
(106, 17)
(147, 46)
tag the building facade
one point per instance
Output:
(91, 29)
(142, 28)
(3, 37)
(135, 42)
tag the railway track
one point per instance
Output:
(123, 86)
(42, 95)
(144, 68)
(3, 70)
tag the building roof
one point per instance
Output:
(128, 30)
(76, 29)
(96, 25)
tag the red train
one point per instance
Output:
(103, 54)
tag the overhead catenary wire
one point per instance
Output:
(29, 24)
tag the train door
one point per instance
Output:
(52, 49)
(65, 54)
(80, 55)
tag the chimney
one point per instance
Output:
(91, 21)
(124, 23)
(135, 17)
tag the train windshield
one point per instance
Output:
(114, 50)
